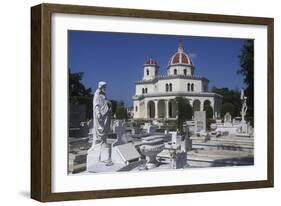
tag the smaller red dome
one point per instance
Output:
(150, 62)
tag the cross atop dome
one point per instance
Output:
(181, 46)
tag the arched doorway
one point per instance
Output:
(196, 105)
(161, 109)
(208, 108)
(151, 109)
(207, 103)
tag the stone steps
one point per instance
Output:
(218, 160)
(224, 143)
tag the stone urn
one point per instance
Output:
(151, 146)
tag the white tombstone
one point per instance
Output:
(227, 120)
(186, 144)
(151, 129)
(176, 140)
(200, 121)
(120, 131)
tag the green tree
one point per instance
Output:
(228, 107)
(185, 112)
(231, 97)
(121, 111)
(78, 93)
(113, 107)
(247, 70)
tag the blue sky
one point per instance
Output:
(118, 59)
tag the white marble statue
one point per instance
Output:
(101, 115)
(244, 105)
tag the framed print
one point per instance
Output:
(130, 102)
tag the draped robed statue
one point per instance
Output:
(101, 115)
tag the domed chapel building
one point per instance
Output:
(155, 94)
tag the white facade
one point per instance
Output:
(155, 94)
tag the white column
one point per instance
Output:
(156, 109)
(202, 105)
(167, 108)
(213, 107)
(145, 110)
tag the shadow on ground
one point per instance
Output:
(233, 162)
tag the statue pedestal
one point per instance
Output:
(124, 157)
(244, 127)
(100, 153)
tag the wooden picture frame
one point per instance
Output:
(41, 97)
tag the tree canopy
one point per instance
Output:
(185, 112)
(120, 111)
(247, 70)
(231, 101)
(78, 93)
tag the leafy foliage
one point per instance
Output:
(228, 107)
(119, 110)
(231, 101)
(209, 110)
(185, 112)
(78, 93)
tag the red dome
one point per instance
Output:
(150, 62)
(180, 57)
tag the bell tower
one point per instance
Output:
(150, 69)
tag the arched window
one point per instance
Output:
(171, 88)
(192, 87)
(145, 90)
(167, 87)
(188, 87)
(147, 72)
(175, 72)
(136, 108)
(184, 72)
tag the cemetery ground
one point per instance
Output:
(203, 150)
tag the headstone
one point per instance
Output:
(128, 153)
(155, 122)
(77, 161)
(213, 126)
(244, 127)
(176, 139)
(218, 121)
(120, 131)
(200, 121)
(186, 144)
(151, 129)
(135, 131)
(179, 161)
(227, 118)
